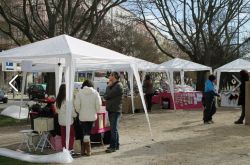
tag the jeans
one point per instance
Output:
(114, 118)
(86, 127)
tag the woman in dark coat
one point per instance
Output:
(148, 90)
(243, 78)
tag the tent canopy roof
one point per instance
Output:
(178, 64)
(235, 66)
(142, 65)
(61, 47)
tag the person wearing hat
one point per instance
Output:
(113, 96)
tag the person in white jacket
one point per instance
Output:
(61, 110)
(87, 104)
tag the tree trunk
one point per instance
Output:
(201, 78)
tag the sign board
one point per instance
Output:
(9, 66)
(100, 84)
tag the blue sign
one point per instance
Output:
(9, 66)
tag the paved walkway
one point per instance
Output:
(17, 96)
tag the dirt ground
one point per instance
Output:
(180, 138)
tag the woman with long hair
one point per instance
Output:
(87, 104)
(61, 110)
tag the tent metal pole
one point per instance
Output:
(22, 92)
(137, 78)
(131, 82)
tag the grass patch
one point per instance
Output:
(10, 161)
(8, 121)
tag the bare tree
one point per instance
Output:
(127, 39)
(206, 30)
(40, 19)
(27, 21)
(245, 48)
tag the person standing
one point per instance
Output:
(209, 96)
(243, 78)
(113, 97)
(148, 90)
(61, 110)
(87, 104)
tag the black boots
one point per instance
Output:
(238, 122)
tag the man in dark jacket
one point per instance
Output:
(209, 94)
(113, 96)
(243, 78)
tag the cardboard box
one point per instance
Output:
(126, 105)
(42, 124)
(101, 121)
(106, 120)
(138, 103)
(101, 124)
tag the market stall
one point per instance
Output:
(181, 66)
(68, 53)
(142, 65)
(229, 96)
(183, 100)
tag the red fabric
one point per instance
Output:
(95, 129)
(183, 100)
(71, 137)
(56, 142)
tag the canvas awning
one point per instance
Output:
(234, 66)
(181, 65)
(70, 52)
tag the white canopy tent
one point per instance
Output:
(70, 52)
(142, 65)
(234, 66)
(180, 65)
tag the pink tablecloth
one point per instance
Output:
(183, 100)
(101, 125)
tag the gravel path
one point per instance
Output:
(180, 138)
